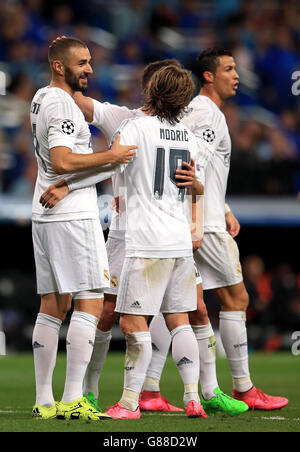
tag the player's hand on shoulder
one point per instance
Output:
(122, 153)
(54, 194)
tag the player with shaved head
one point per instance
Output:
(69, 249)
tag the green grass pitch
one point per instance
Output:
(277, 374)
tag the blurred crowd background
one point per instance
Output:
(123, 36)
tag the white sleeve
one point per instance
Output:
(62, 124)
(98, 114)
(207, 131)
(87, 178)
(108, 117)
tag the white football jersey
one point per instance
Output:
(56, 120)
(157, 224)
(108, 118)
(209, 125)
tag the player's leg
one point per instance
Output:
(161, 341)
(80, 342)
(115, 253)
(213, 399)
(234, 302)
(151, 398)
(53, 310)
(79, 262)
(179, 300)
(137, 358)
(101, 346)
(137, 299)
(207, 346)
(219, 264)
(186, 357)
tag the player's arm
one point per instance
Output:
(232, 225)
(63, 125)
(64, 161)
(82, 179)
(196, 225)
(86, 105)
(197, 209)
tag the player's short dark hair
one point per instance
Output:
(153, 67)
(59, 49)
(170, 92)
(209, 60)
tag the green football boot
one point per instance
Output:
(92, 401)
(222, 403)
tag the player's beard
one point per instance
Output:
(74, 81)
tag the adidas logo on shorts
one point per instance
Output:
(136, 305)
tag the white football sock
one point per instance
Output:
(44, 342)
(207, 354)
(186, 357)
(137, 359)
(94, 369)
(80, 343)
(234, 338)
(161, 340)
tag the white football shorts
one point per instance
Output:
(218, 260)
(149, 286)
(116, 254)
(70, 257)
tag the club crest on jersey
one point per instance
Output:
(209, 135)
(68, 126)
(114, 281)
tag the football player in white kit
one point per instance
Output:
(69, 248)
(107, 118)
(158, 273)
(218, 257)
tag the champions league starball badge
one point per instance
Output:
(209, 135)
(68, 127)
